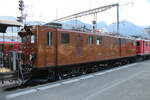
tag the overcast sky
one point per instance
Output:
(48, 10)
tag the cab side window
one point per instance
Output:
(33, 38)
(49, 38)
(98, 40)
(65, 38)
(90, 40)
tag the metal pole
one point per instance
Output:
(14, 60)
(117, 18)
(3, 50)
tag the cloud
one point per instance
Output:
(9, 8)
(138, 13)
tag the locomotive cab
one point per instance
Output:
(38, 50)
(39, 46)
(28, 48)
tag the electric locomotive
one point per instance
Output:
(52, 52)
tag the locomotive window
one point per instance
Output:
(49, 38)
(90, 40)
(65, 38)
(98, 40)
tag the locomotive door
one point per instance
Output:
(50, 49)
(79, 46)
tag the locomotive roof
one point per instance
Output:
(91, 33)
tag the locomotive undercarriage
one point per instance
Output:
(53, 73)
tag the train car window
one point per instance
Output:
(138, 43)
(65, 38)
(32, 38)
(98, 40)
(134, 43)
(90, 40)
(49, 38)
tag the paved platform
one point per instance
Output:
(129, 82)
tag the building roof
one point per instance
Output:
(10, 23)
(5, 23)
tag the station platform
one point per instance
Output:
(128, 82)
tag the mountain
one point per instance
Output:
(126, 28)
(77, 24)
(101, 25)
(35, 23)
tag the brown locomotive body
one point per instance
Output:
(60, 47)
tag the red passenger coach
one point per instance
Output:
(147, 47)
(9, 46)
(140, 47)
(143, 47)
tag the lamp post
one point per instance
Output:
(21, 8)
